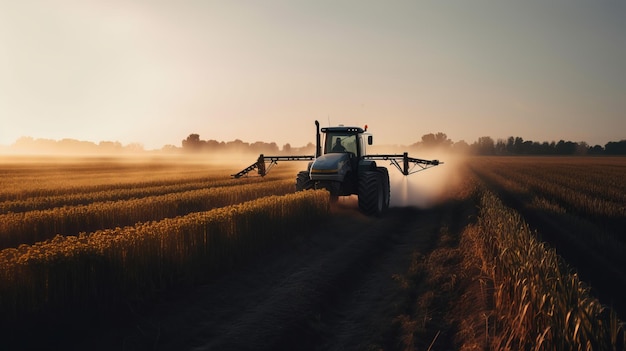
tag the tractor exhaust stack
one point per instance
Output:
(318, 140)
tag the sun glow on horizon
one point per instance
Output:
(153, 73)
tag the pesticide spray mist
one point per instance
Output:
(429, 187)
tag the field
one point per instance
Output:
(163, 253)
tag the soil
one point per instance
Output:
(336, 287)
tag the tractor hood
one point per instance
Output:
(333, 164)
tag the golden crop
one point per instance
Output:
(136, 261)
(588, 193)
(32, 226)
(591, 187)
(79, 196)
(538, 303)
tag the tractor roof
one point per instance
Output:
(342, 129)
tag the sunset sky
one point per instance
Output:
(155, 71)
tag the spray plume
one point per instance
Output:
(427, 188)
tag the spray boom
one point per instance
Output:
(409, 165)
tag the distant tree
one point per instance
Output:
(237, 145)
(565, 147)
(24, 144)
(518, 146)
(500, 148)
(582, 148)
(484, 146)
(193, 143)
(309, 149)
(596, 150)
(213, 146)
(510, 145)
(134, 148)
(169, 148)
(436, 140)
(264, 148)
(615, 148)
(110, 146)
(545, 148)
(287, 148)
(461, 147)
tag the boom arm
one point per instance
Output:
(405, 168)
(263, 170)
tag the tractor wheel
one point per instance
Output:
(371, 193)
(303, 181)
(386, 187)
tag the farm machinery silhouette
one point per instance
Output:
(344, 168)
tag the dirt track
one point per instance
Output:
(331, 289)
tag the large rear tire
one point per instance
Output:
(303, 181)
(371, 193)
(386, 187)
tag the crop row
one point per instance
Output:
(30, 227)
(43, 184)
(113, 194)
(587, 188)
(594, 199)
(537, 303)
(599, 238)
(40, 181)
(108, 267)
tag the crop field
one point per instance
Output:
(514, 253)
(578, 207)
(76, 234)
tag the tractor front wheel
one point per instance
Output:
(303, 181)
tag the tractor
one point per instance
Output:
(343, 167)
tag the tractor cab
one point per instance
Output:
(342, 139)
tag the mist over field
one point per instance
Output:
(429, 187)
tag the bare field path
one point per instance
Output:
(333, 289)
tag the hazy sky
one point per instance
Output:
(155, 71)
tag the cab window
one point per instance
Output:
(341, 143)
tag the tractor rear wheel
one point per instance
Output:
(386, 187)
(371, 193)
(303, 181)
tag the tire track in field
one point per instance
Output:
(327, 289)
(333, 300)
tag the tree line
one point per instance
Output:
(72, 146)
(194, 144)
(519, 146)
(483, 146)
